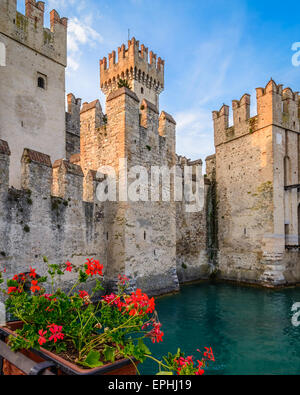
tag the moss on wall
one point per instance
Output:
(22, 22)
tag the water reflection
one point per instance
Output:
(249, 329)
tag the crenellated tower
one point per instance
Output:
(29, 29)
(143, 70)
(258, 184)
(133, 134)
(32, 81)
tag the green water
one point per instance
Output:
(249, 329)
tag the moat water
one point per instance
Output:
(249, 329)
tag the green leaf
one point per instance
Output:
(164, 374)
(82, 276)
(42, 279)
(143, 347)
(12, 283)
(109, 354)
(45, 259)
(92, 360)
(98, 286)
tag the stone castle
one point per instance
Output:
(248, 230)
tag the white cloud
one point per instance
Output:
(194, 133)
(72, 63)
(80, 34)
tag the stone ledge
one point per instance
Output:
(89, 106)
(71, 168)
(4, 148)
(36, 157)
(168, 117)
(151, 106)
(120, 92)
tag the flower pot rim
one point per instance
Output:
(67, 366)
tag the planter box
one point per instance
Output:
(62, 367)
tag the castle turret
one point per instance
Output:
(32, 79)
(257, 178)
(73, 125)
(144, 74)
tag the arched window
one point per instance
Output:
(2, 55)
(41, 82)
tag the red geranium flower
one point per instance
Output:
(56, 332)
(12, 290)
(42, 340)
(69, 267)
(34, 287)
(123, 279)
(156, 334)
(93, 267)
(32, 273)
(139, 303)
(200, 371)
(208, 354)
(83, 294)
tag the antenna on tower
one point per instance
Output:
(128, 34)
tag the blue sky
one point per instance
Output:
(215, 51)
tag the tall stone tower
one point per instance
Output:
(32, 82)
(258, 184)
(140, 235)
(146, 76)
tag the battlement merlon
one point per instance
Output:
(74, 104)
(36, 172)
(39, 178)
(67, 180)
(135, 66)
(35, 10)
(117, 104)
(91, 182)
(278, 106)
(29, 29)
(91, 114)
(241, 110)
(275, 106)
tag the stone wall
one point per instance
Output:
(191, 236)
(37, 224)
(257, 218)
(59, 202)
(32, 94)
(141, 235)
(73, 126)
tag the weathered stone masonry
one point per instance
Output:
(32, 82)
(54, 211)
(257, 175)
(249, 227)
(35, 223)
